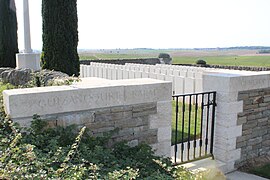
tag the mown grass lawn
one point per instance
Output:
(186, 122)
(263, 171)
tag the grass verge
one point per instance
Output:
(263, 171)
(193, 131)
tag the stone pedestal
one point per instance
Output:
(28, 60)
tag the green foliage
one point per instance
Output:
(264, 51)
(201, 62)
(60, 36)
(8, 33)
(263, 171)
(48, 153)
(164, 55)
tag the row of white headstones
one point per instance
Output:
(185, 79)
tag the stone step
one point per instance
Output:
(204, 164)
(213, 169)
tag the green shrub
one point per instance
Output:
(48, 153)
(164, 55)
(201, 62)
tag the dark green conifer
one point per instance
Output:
(60, 36)
(8, 33)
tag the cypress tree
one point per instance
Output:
(8, 33)
(60, 36)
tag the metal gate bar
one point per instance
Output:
(194, 126)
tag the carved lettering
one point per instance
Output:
(88, 99)
(253, 82)
(144, 93)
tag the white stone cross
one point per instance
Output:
(26, 27)
(27, 59)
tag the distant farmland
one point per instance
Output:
(233, 57)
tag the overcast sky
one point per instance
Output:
(161, 23)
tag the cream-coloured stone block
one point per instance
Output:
(152, 69)
(125, 74)
(189, 85)
(226, 120)
(87, 71)
(164, 133)
(150, 93)
(131, 74)
(198, 85)
(216, 82)
(161, 77)
(145, 75)
(225, 143)
(170, 78)
(179, 85)
(163, 71)
(82, 71)
(183, 73)
(249, 82)
(229, 167)
(162, 148)
(176, 73)
(231, 107)
(190, 74)
(100, 72)
(138, 74)
(28, 60)
(227, 156)
(119, 74)
(159, 120)
(95, 71)
(109, 73)
(198, 75)
(104, 73)
(114, 74)
(163, 117)
(229, 133)
(153, 75)
(227, 97)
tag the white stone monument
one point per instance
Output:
(27, 59)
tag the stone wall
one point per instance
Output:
(255, 121)
(137, 110)
(126, 123)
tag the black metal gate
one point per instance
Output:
(193, 126)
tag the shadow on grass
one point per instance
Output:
(179, 137)
(263, 171)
